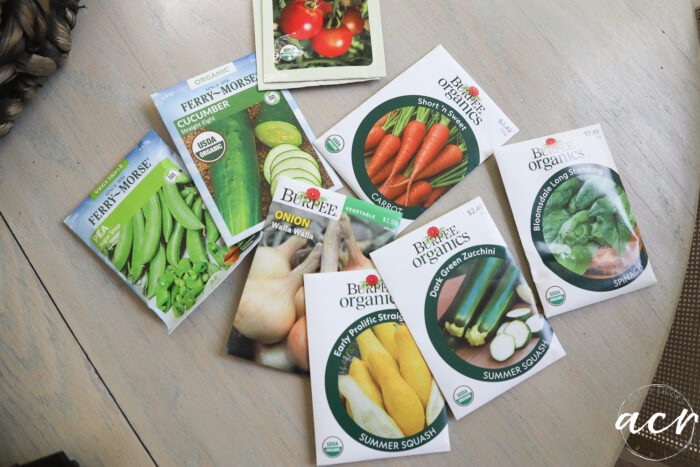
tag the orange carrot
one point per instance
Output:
(379, 129)
(393, 192)
(386, 149)
(381, 121)
(383, 174)
(450, 156)
(374, 137)
(437, 192)
(390, 143)
(436, 139)
(413, 134)
(420, 194)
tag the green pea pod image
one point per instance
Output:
(193, 238)
(123, 248)
(156, 269)
(167, 217)
(151, 231)
(139, 224)
(179, 208)
(211, 230)
(172, 250)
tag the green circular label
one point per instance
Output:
(209, 146)
(449, 346)
(584, 231)
(332, 446)
(358, 146)
(344, 351)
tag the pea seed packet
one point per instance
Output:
(236, 140)
(373, 394)
(318, 42)
(468, 306)
(148, 223)
(574, 219)
(307, 230)
(421, 134)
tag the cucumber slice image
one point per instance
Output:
(521, 313)
(272, 155)
(291, 154)
(276, 124)
(535, 323)
(502, 347)
(300, 163)
(296, 174)
(520, 333)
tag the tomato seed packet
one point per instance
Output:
(421, 134)
(147, 221)
(307, 230)
(318, 42)
(468, 306)
(373, 394)
(236, 140)
(574, 219)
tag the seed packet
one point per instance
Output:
(468, 306)
(148, 223)
(236, 140)
(319, 42)
(574, 219)
(308, 229)
(417, 137)
(373, 394)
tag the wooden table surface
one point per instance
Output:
(86, 368)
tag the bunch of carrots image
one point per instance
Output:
(414, 155)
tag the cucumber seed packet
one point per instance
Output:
(373, 394)
(468, 306)
(574, 219)
(236, 140)
(148, 223)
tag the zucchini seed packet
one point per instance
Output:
(307, 230)
(373, 394)
(574, 219)
(468, 306)
(147, 221)
(236, 141)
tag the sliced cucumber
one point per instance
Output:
(308, 180)
(272, 155)
(296, 174)
(295, 163)
(522, 313)
(290, 154)
(535, 323)
(502, 347)
(520, 333)
(502, 327)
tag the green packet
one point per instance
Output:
(236, 141)
(147, 221)
(373, 394)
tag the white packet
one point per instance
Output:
(574, 219)
(468, 306)
(438, 85)
(365, 362)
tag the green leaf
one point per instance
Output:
(577, 229)
(552, 222)
(563, 193)
(577, 258)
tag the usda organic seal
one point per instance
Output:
(463, 395)
(332, 446)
